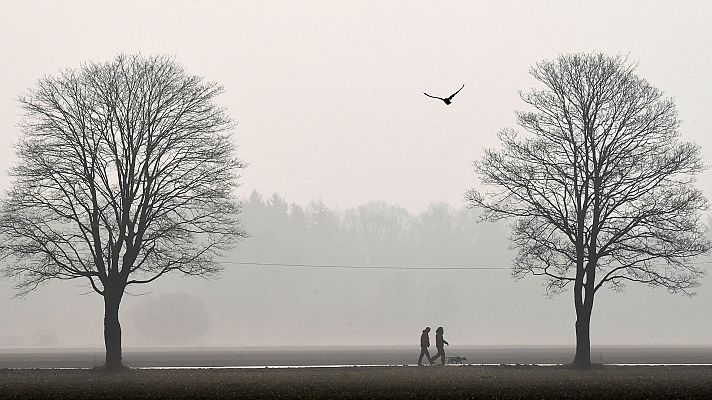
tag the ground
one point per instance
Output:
(450, 382)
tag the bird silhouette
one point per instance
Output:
(447, 100)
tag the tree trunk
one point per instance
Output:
(112, 330)
(582, 359)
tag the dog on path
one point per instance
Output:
(456, 360)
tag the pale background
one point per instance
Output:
(328, 99)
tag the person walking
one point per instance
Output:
(440, 343)
(424, 344)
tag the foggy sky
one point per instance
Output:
(328, 99)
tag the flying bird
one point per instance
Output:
(447, 100)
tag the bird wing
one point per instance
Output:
(435, 97)
(458, 91)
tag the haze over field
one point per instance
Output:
(328, 99)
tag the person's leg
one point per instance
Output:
(435, 357)
(441, 352)
(423, 351)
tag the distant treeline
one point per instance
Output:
(375, 233)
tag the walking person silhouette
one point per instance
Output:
(440, 343)
(424, 344)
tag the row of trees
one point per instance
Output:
(371, 234)
(127, 168)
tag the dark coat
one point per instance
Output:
(424, 340)
(439, 341)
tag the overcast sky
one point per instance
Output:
(328, 94)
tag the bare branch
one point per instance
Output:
(599, 185)
(127, 172)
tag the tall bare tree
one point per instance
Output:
(126, 173)
(600, 188)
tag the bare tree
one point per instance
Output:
(126, 173)
(600, 189)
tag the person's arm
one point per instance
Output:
(445, 341)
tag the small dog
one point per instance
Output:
(456, 360)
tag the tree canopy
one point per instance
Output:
(126, 172)
(599, 186)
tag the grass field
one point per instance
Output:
(450, 382)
